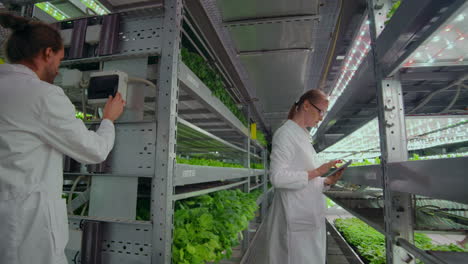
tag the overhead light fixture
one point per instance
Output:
(52, 11)
(446, 44)
(353, 60)
(96, 6)
(422, 133)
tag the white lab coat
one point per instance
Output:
(296, 222)
(38, 126)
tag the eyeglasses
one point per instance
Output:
(321, 112)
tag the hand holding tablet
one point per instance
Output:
(335, 170)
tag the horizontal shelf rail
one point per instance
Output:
(206, 191)
(256, 186)
(441, 179)
(191, 138)
(191, 174)
(437, 257)
(364, 175)
(191, 84)
(75, 174)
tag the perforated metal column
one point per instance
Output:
(162, 190)
(264, 204)
(393, 145)
(246, 187)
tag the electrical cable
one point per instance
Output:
(72, 190)
(455, 98)
(134, 79)
(87, 203)
(429, 97)
(76, 256)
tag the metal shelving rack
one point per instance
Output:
(389, 193)
(185, 118)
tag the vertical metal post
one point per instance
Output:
(393, 145)
(381, 8)
(162, 189)
(247, 141)
(245, 241)
(264, 204)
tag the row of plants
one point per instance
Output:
(207, 162)
(257, 166)
(370, 244)
(213, 80)
(207, 227)
(375, 161)
(215, 163)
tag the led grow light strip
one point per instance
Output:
(447, 46)
(422, 132)
(52, 11)
(444, 156)
(352, 61)
(96, 7)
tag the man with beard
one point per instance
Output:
(37, 127)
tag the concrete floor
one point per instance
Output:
(256, 251)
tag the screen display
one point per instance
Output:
(100, 87)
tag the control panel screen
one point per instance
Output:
(100, 87)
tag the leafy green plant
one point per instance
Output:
(366, 162)
(212, 80)
(261, 138)
(370, 244)
(392, 11)
(207, 162)
(330, 203)
(258, 166)
(80, 115)
(208, 226)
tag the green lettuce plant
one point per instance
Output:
(370, 244)
(207, 227)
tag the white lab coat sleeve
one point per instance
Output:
(60, 128)
(319, 183)
(281, 157)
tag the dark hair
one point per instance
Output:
(312, 96)
(28, 38)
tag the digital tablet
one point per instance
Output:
(335, 170)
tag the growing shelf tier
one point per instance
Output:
(412, 26)
(422, 177)
(430, 214)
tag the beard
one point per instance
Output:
(49, 74)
